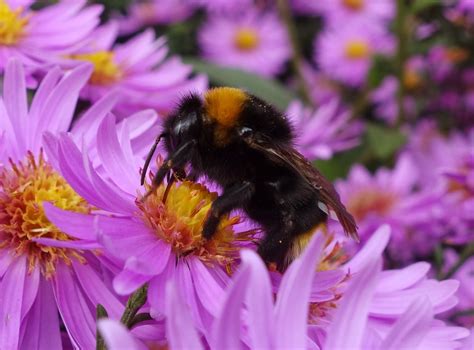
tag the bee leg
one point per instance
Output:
(176, 160)
(233, 197)
(275, 245)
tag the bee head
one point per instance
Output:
(186, 123)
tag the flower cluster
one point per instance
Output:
(379, 96)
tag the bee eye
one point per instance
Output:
(245, 131)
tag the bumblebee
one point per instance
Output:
(246, 146)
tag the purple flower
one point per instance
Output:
(155, 240)
(153, 12)
(253, 41)
(392, 308)
(362, 318)
(446, 165)
(324, 132)
(39, 38)
(389, 196)
(385, 100)
(343, 11)
(345, 53)
(224, 6)
(138, 68)
(38, 280)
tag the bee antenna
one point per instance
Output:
(150, 155)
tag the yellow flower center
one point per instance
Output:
(23, 189)
(456, 54)
(106, 71)
(180, 219)
(11, 24)
(354, 5)
(411, 79)
(357, 49)
(246, 39)
(371, 201)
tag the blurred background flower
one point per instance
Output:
(381, 98)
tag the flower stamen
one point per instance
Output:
(246, 39)
(23, 189)
(106, 71)
(12, 24)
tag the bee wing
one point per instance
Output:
(288, 156)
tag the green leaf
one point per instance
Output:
(384, 141)
(268, 90)
(340, 164)
(420, 5)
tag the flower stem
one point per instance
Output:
(134, 303)
(297, 58)
(401, 57)
(101, 312)
(465, 255)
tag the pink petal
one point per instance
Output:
(259, 301)
(128, 281)
(117, 336)
(291, 309)
(74, 308)
(42, 325)
(226, 330)
(157, 289)
(180, 330)
(14, 94)
(411, 327)
(96, 290)
(112, 157)
(349, 322)
(78, 225)
(11, 301)
(401, 279)
(208, 291)
(373, 247)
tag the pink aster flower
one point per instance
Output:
(253, 41)
(446, 165)
(390, 196)
(385, 100)
(383, 308)
(324, 132)
(345, 53)
(153, 12)
(342, 11)
(155, 240)
(38, 38)
(224, 6)
(45, 286)
(139, 69)
(360, 323)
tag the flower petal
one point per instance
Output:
(42, 325)
(117, 336)
(74, 308)
(259, 301)
(96, 290)
(227, 328)
(347, 327)
(291, 309)
(411, 327)
(14, 95)
(373, 247)
(128, 281)
(180, 330)
(11, 300)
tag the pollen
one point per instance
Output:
(246, 39)
(106, 71)
(371, 201)
(224, 105)
(24, 186)
(354, 5)
(180, 218)
(357, 49)
(12, 24)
